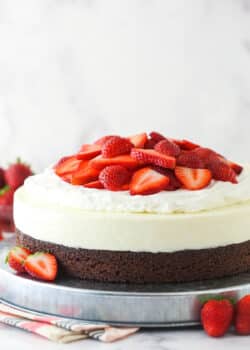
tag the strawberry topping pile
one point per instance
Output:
(145, 164)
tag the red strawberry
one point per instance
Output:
(6, 196)
(138, 140)
(156, 136)
(222, 171)
(242, 319)
(190, 159)
(206, 154)
(168, 148)
(113, 177)
(94, 184)
(217, 316)
(174, 184)
(125, 160)
(67, 165)
(16, 258)
(148, 156)
(147, 181)
(150, 144)
(236, 167)
(42, 266)
(2, 178)
(186, 144)
(89, 151)
(16, 174)
(193, 179)
(103, 139)
(84, 174)
(116, 146)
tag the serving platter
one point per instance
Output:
(155, 305)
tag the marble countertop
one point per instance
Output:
(159, 339)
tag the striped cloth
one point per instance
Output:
(61, 330)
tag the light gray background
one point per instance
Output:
(73, 70)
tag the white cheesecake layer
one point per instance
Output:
(59, 221)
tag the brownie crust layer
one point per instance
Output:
(145, 267)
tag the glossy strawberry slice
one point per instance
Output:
(148, 156)
(193, 179)
(103, 139)
(116, 146)
(186, 144)
(94, 184)
(42, 266)
(67, 165)
(16, 258)
(156, 136)
(174, 184)
(222, 171)
(147, 181)
(89, 151)
(125, 160)
(114, 177)
(236, 167)
(190, 159)
(84, 174)
(138, 140)
(168, 148)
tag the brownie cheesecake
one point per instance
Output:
(141, 209)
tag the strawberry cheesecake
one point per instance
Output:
(139, 209)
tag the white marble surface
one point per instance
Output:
(188, 339)
(76, 69)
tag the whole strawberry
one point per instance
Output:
(6, 196)
(2, 179)
(242, 318)
(16, 174)
(217, 316)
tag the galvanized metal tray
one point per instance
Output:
(164, 305)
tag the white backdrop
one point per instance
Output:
(75, 69)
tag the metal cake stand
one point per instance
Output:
(165, 305)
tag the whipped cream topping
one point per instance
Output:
(48, 188)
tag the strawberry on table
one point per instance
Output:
(148, 181)
(193, 179)
(217, 316)
(16, 173)
(242, 318)
(42, 266)
(16, 258)
(148, 156)
(114, 177)
(116, 146)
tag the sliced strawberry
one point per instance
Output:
(222, 171)
(67, 178)
(206, 154)
(16, 258)
(156, 136)
(113, 177)
(193, 179)
(103, 139)
(168, 148)
(116, 146)
(190, 159)
(236, 167)
(84, 174)
(125, 160)
(138, 140)
(89, 151)
(186, 144)
(148, 156)
(94, 184)
(42, 266)
(150, 144)
(147, 181)
(67, 165)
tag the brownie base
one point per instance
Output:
(145, 267)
